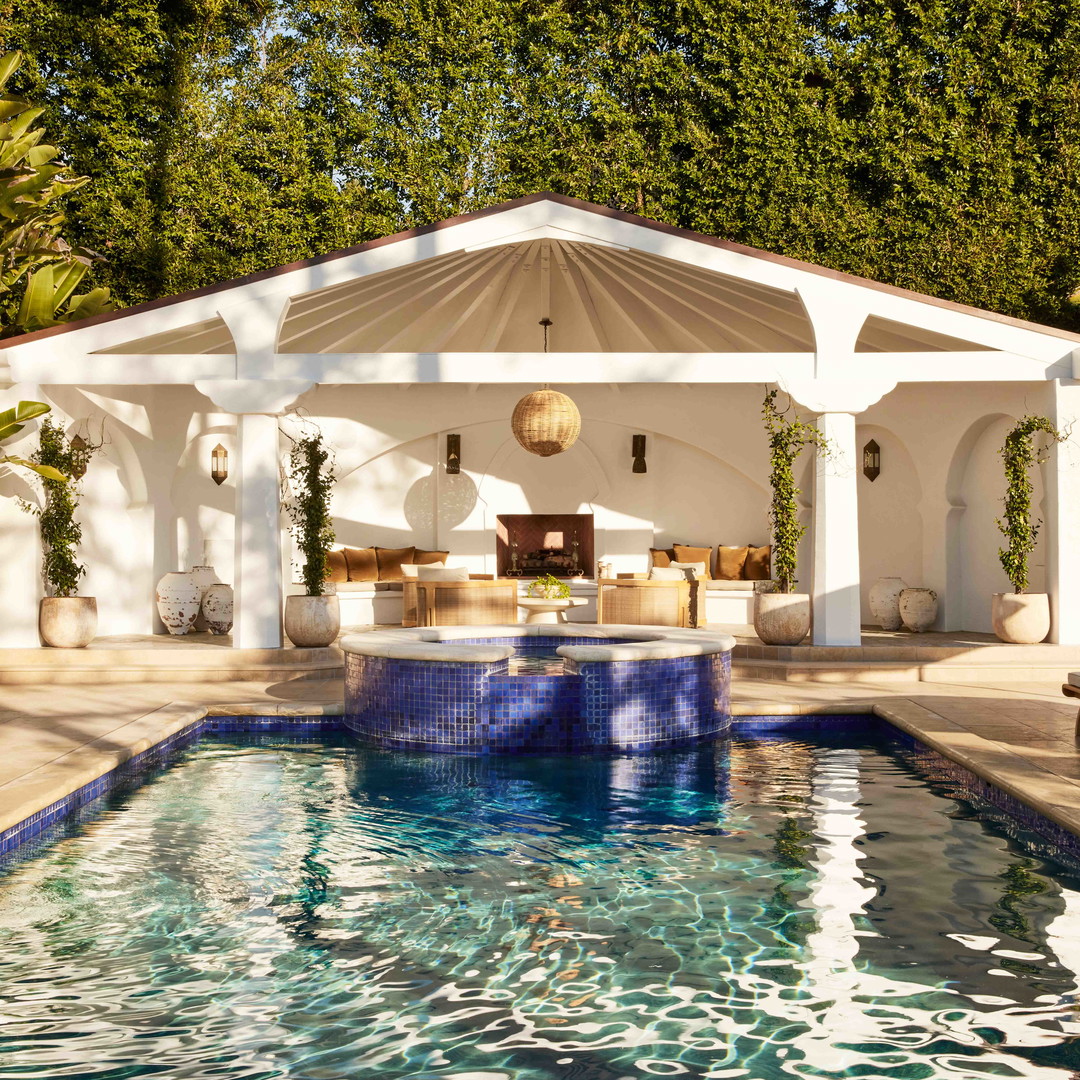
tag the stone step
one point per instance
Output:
(138, 673)
(823, 671)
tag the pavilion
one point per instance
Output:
(394, 344)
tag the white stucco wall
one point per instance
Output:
(150, 505)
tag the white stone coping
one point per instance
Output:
(1074, 678)
(436, 642)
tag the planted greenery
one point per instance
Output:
(12, 421)
(788, 437)
(550, 588)
(60, 530)
(1020, 453)
(312, 476)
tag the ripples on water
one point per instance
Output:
(319, 911)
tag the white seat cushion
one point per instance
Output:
(1074, 678)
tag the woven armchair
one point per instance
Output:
(467, 603)
(643, 603)
(410, 601)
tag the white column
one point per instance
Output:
(1063, 512)
(257, 566)
(836, 535)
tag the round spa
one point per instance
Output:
(531, 689)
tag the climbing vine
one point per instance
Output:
(788, 437)
(312, 476)
(61, 532)
(1020, 453)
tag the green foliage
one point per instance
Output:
(925, 146)
(549, 587)
(311, 473)
(12, 421)
(61, 533)
(788, 436)
(1020, 454)
(34, 258)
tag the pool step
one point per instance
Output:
(177, 664)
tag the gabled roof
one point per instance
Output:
(887, 334)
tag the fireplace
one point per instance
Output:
(528, 545)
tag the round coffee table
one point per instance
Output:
(541, 609)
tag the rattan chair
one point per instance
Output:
(467, 603)
(643, 603)
(410, 601)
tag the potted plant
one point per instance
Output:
(314, 619)
(1020, 617)
(549, 587)
(781, 616)
(65, 619)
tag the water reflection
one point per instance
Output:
(758, 909)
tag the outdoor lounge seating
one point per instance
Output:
(1072, 689)
(410, 599)
(467, 603)
(643, 603)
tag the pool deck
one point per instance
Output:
(1017, 732)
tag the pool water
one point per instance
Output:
(535, 660)
(798, 907)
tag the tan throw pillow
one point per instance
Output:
(336, 567)
(390, 560)
(686, 554)
(757, 566)
(730, 562)
(443, 573)
(361, 564)
(427, 558)
(662, 556)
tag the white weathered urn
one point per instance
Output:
(312, 622)
(177, 598)
(217, 608)
(204, 577)
(68, 622)
(1021, 618)
(918, 609)
(885, 602)
(781, 618)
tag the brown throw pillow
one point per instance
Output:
(425, 558)
(390, 560)
(336, 567)
(757, 566)
(662, 556)
(361, 564)
(685, 553)
(730, 562)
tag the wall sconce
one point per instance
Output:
(871, 461)
(639, 454)
(79, 448)
(453, 455)
(219, 464)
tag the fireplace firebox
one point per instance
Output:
(528, 545)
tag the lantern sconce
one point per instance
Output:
(871, 461)
(79, 448)
(219, 464)
(638, 449)
(453, 455)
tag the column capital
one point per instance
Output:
(271, 396)
(838, 395)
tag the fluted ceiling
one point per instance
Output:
(599, 298)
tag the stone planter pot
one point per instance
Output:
(781, 618)
(67, 622)
(177, 598)
(312, 622)
(217, 608)
(1021, 618)
(885, 602)
(918, 609)
(204, 577)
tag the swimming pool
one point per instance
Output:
(765, 907)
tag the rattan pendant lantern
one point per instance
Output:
(546, 422)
